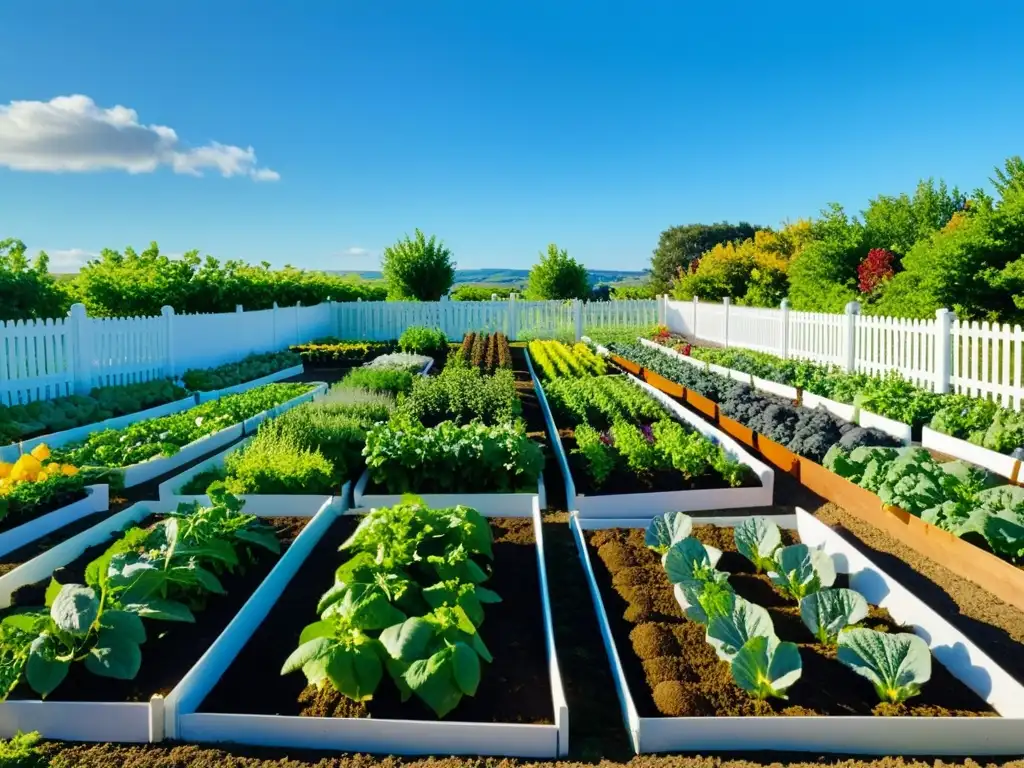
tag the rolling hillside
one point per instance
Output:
(514, 278)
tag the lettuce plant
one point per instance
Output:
(764, 666)
(800, 570)
(828, 612)
(758, 539)
(896, 664)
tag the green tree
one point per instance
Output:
(27, 289)
(557, 276)
(418, 269)
(679, 246)
(823, 275)
(897, 223)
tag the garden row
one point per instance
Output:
(407, 602)
(974, 429)
(962, 516)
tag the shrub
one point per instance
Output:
(480, 293)
(556, 276)
(461, 395)
(393, 380)
(332, 431)
(423, 341)
(364, 404)
(476, 357)
(276, 462)
(418, 269)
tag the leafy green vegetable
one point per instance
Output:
(701, 601)
(690, 561)
(828, 612)
(765, 667)
(729, 633)
(896, 664)
(665, 530)
(800, 570)
(758, 539)
(255, 366)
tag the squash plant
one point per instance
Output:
(162, 572)
(409, 602)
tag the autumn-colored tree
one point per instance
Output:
(876, 268)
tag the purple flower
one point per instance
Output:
(648, 433)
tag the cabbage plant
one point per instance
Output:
(828, 612)
(896, 664)
(758, 539)
(800, 570)
(765, 666)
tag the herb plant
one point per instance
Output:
(419, 340)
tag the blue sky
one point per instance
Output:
(498, 126)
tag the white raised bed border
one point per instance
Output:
(301, 505)
(10, 453)
(489, 504)
(891, 427)
(133, 722)
(400, 737)
(646, 504)
(96, 500)
(835, 734)
(986, 458)
(144, 471)
(837, 409)
(216, 394)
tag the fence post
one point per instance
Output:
(81, 343)
(513, 317)
(359, 317)
(696, 306)
(168, 315)
(944, 350)
(274, 323)
(298, 306)
(726, 303)
(577, 316)
(239, 308)
(784, 348)
(662, 309)
(850, 344)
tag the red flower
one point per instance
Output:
(876, 268)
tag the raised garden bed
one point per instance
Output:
(97, 499)
(518, 710)
(85, 707)
(366, 496)
(676, 694)
(986, 458)
(286, 373)
(623, 497)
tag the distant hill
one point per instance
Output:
(515, 278)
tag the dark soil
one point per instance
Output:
(171, 648)
(674, 671)
(514, 688)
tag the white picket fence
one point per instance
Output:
(940, 353)
(44, 359)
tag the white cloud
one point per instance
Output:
(69, 259)
(73, 134)
(357, 251)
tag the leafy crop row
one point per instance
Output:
(163, 572)
(807, 432)
(166, 435)
(328, 351)
(956, 496)
(33, 486)
(555, 359)
(981, 422)
(409, 602)
(41, 417)
(254, 366)
(461, 395)
(488, 352)
(742, 633)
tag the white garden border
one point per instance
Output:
(985, 458)
(144, 471)
(368, 735)
(258, 504)
(837, 409)
(647, 504)
(270, 378)
(97, 500)
(77, 434)
(489, 504)
(132, 722)
(834, 734)
(704, 366)
(891, 427)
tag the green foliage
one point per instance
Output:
(389, 380)
(252, 367)
(21, 751)
(624, 334)
(728, 633)
(828, 612)
(644, 290)
(407, 457)
(27, 290)
(276, 462)
(131, 284)
(765, 666)
(404, 361)
(27, 501)
(800, 570)
(557, 276)
(667, 529)
(462, 395)
(896, 664)
(480, 293)
(418, 269)
(823, 276)
(163, 572)
(895, 223)
(486, 351)
(600, 401)
(681, 245)
(758, 539)
(553, 359)
(330, 351)
(423, 341)
(364, 404)
(166, 435)
(42, 417)
(409, 602)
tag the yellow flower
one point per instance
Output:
(68, 470)
(25, 468)
(41, 476)
(41, 452)
(5, 469)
